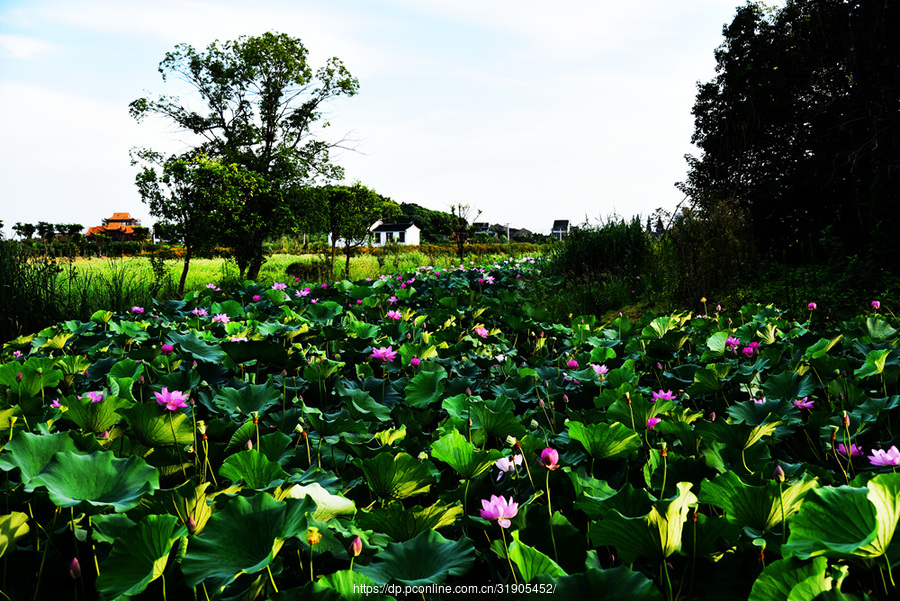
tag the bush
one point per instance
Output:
(27, 290)
(314, 270)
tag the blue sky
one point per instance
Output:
(529, 111)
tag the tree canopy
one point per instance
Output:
(263, 111)
(801, 124)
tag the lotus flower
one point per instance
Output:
(811, 306)
(497, 508)
(95, 397)
(356, 547)
(651, 423)
(172, 400)
(507, 464)
(481, 331)
(279, 286)
(550, 458)
(661, 395)
(804, 403)
(855, 451)
(890, 457)
(221, 318)
(167, 349)
(395, 315)
(573, 364)
(600, 370)
(386, 354)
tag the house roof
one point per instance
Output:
(120, 217)
(561, 225)
(393, 227)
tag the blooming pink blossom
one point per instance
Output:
(651, 423)
(481, 331)
(172, 400)
(507, 464)
(890, 457)
(415, 361)
(137, 310)
(167, 349)
(804, 403)
(55, 404)
(751, 350)
(662, 395)
(395, 315)
(279, 286)
(600, 370)
(302, 293)
(221, 318)
(550, 458)
(759, 401)
(256, 298)
(876, 304)
(386, 354)
(498, 508)
(732, 343)
(200, 312)
(213, 287)
(95, 397)
(855, 451)
(573, 364)
(392, 300)
(17, 354)
(811, 306)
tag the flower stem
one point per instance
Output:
(511, 570)
(550, 510)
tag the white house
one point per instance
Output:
(401, 233)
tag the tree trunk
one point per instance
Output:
(184, 271)
(348, 251)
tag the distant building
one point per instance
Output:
(560, 229)
(118, 227)
(402, 233)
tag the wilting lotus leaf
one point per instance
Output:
(397, 476)
(616, 584)
(12, 527)
(846, 521)
(656, 535)
(531, 562)
(328, 505)
(139, 557)
(243, 538)
(152, 425)
(460, 454)
(98, 479)
(32, 452)
(403, 524)
(605, 441)
(253, 469)
(759, 507)
(791, 579)
(425, 388)
(427, 559)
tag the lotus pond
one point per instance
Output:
(347, 440)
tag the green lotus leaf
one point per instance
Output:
(323, 312)
(328, 505)
(460, 454)
(189, 343)
(94, 417)
(98, 479)
(361, 405)
(427, 559)
(184, 501)
(243, 538)
(496, 418)
(152, 425)
(605, 441)
(13, 526)
(706, 381)
(791, 579)
(349, 585)
(403, 524)
(656, 535)
(254, 470)
(246, 400)
(788, 385)
(390, 436)
(32, 452)
(321, 370)
(263, 351)
(397, 476)
(139, 557)
(127, 368)
(531, 562)
(879, 329)
(616, 584)
(333, 424)
(425, 388)
(846, 521)
(759, 507)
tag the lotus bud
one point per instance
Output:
(249, 445)
(541, 403)
(845, 420)
(566, 398)
(468, 392)
(19, 377)
(313, 536)
(779, 474)
(511, 441)
(356, 547)
(422, 456)
(534, 425)
(191, 524)
(712, 416)
(75, 569)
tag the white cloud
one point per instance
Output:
(23, 47)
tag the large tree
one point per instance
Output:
(263, 112)
(196, 196)
(800, 123)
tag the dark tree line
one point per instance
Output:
(800, 126)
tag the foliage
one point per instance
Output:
(263, 103)
(27, 283)
(435, 225)
(462, 219)
(799, 128)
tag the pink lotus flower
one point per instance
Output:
(751, 350)
(386, 354)
(549, 458)
(573, 364)
(167, 349)
(200, 312)
(811, 306)
(302, 293)
(221, 318)
(95, 397)
(481, 331)
(137, 310)
(876, 304)
(507, 464)
(499, 509)
(213, 287)
(855, 451)
(600, 370)
(732, 343)
(759, 401)
(55, 404)
(74, 569)
(890, 457)
(356, 547)
(415, 361)
(661, 395)
(395, 315)
(651, 423)
(17, 354)
(279, 286)
(804, 403)
(172, 400)
(256, 298)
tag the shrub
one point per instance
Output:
(314, 270)
(27, 290)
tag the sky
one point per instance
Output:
(528, 111)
